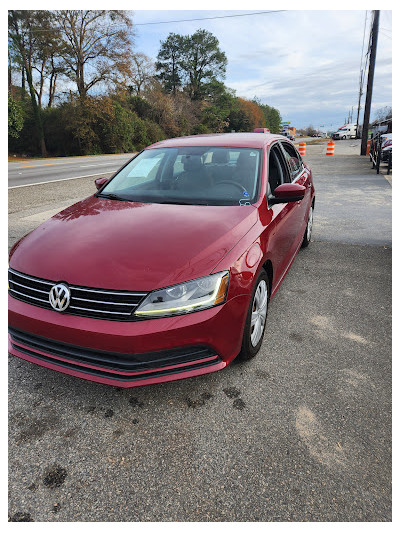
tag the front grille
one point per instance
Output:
(85, 301)
(143, 365)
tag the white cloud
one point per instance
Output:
(297, 61)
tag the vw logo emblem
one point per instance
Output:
(59, 297)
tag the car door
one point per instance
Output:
(300, 174)
(283, 233)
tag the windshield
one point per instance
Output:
(205, 175)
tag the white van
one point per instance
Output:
(348, 131)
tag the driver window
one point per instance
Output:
(276, 171)
(293, 160)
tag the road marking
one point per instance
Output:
(54, 181)
(65, 162)
(43, 165)
(97, 165)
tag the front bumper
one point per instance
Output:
(128, 354)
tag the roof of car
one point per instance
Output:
(243, 140)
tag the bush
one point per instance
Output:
(26, 142)
(154, 131)
(98, 125)
(15, 117)
(116, 131)
(125, 123)
(60, 141)
(200, 129)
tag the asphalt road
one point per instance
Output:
(37, 171)
(33, 171)
(300, 433)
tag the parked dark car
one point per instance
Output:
(380, 151)
(386, 147)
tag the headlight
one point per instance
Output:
(194, 295)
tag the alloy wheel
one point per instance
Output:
(309, 224)
(259, 312)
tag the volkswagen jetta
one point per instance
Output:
(167, 271)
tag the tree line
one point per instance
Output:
(77, 87)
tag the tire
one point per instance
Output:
(252, 335)
(344, 137)
(307, 233)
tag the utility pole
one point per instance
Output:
(371, 70)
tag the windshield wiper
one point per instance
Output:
(176, 201)
(111, 196)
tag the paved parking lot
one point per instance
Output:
(300, 433)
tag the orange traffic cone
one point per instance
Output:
(302, 148)
(368, 146)
(330, 148)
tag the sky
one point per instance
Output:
(305, 63)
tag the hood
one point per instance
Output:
(120, 245)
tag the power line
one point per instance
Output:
(61, 29)
(367, 55)
(362, 72)
(362, 49)
(210, 18)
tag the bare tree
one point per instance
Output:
(142, 72)
(97, 45)
(46, 57)
(383, 113)
(54, 68)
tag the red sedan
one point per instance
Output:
(167, 271)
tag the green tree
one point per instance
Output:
(190, 62)
(169, 62)
(273, 118)
(217, 107)
(246, 115)
(238, 118)
(202, 63)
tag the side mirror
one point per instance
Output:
(99, 182)
(288, 192)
